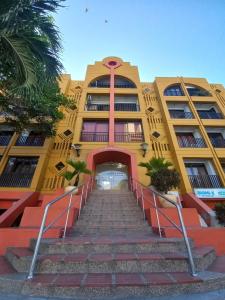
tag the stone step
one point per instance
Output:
(20, 258)
(111, 223)
(112, 215)
(111, 286)
(111, 192)
(115, 210)
(119, 220)
(106, 205)
(117, 229)
(107, 244)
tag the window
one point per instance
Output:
(21, 165)
(95, 131)
(123, 82)
(101, 82)
(19, 171)
(195, 91)
(174, 90)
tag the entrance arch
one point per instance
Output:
(113, 155)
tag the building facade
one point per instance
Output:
(116, 123)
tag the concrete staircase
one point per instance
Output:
(110, 252)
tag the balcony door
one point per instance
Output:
(196, 169)
(111, 176)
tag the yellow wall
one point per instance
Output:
(58, 149)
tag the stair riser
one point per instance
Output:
(112, 266)
(120, 292)
(125, 248)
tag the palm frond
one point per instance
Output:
(68, 175)
(24, 62)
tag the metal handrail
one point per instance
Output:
(181, 229)
(44, 228)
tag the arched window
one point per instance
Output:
(123, 82)
(196, 91)
(101, 82)
(104, 82)
(174, 90)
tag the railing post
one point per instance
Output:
(136, 192)
(67, 216)
(190, 256)
(34, 259)
(142, 202)
(157, 214)
(131, 187)
(92, 183)
(81, 201)
(87, 186)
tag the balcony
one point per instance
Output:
(129, 137)
(175, 114)
(31, 140)
(190, 142)
(5, 139)
(94, 137)
(97, 107)
(218, 142)
(15, 180)
(126, 107)
(209, 115)
(205, 181)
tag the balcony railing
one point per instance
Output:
(30, 141)
(94, 137)
(100, 85)
(15, 180)
(124, 85)
(181, 115)
(191, 142)
(97, 107)
(5, 139)
(126, 107)
(205, 181)
(127, 137)
(209, 115)
(116, 85)
(217, 142)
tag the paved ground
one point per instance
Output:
(216, 295)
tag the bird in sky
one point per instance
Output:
(86, 9)
(106, 21)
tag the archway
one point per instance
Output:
(112, 167)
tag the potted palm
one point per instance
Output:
(73, 177)
(163, 178)
(154, 165)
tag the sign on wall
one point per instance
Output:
(210, 193)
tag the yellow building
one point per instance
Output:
(117, 122)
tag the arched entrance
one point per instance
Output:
(112, 168)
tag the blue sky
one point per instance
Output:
(161, 37)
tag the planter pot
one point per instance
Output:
(165, 203)
(70, 188)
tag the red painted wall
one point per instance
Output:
(210, 236)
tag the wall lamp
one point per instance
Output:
(76, 147)
(144, 148)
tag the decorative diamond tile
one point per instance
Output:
(156, 134)
(60, 166)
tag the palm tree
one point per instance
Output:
(79, 167)
(29, 44)
(154, 165)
